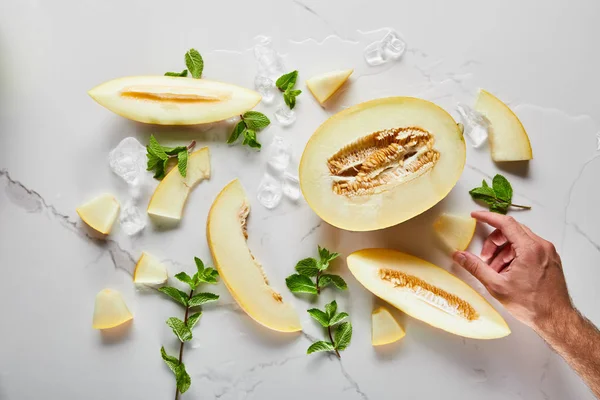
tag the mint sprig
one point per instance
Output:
(181, 74)
(194, 63)
(340, 333)
(285, 83)
(158, 157)
(183, 328)
(310, 268)
(250, 123)
(498, 197)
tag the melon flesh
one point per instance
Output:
(170, 196)
(507, 136)
(149, 270)
(382, 162)
(166, 100)
(100, 213)
(241, 273)
(427, 292)
(384, 328)
(325, 85)
(110, 310)
(455, 231)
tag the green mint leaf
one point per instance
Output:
(185, 278)
(194, 63)
(499, 207)
(250, 139)
(343, 336)
(289, 98)
(320, 346)
(337, 281)
(173, 151)
(307, 267)
(237, 131)
(171, 361)
(255, 120)
(338, 318)
(181, 376)
(324, 281)
(285, 80)
(180, 329)
(209, 275)
(502, 188)
(199, 265)
(193, 320)
(156, 149)
(319, 316)
(202, 298)
(175, 294)
(484, 183)
(182, 160)
(300, 284)
(331, 309)
(484, 193)
(295, 93)
(180, 74)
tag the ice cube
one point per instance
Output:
(269, 191)
(280, 154)
(266, 87)
(269, 62)
(291, 186)
(392, 46)
(128, 160)
(374, 54)
(132, 219)
(476, 125)
(285, 116)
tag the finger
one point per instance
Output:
(491, 245)
(476, 267)
(504, 257)
(513, 231)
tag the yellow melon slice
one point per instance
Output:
(427, 292)
(166, 100)
(325, 85)
(384, 328)
(110, 310)
(382, 162)
(455, 231)
(242, 274)
(100, 213)
(149, 270)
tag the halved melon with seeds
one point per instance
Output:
(242, 274)
(382, 162)
(166, 100)
(427, 292)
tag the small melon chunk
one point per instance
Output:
(100, 213)
(507, 136)
(456, 231)
(325, 85)
(149, 270)
(384, 328)
(110, 310)
(241, 273)
(427, 292)
(382, 162)
(166, 100)
(172, 192)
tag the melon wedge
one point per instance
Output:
(242, 274)
(507, 136)
(324, 86)
(100, 213)
(427, 292)
(166, 100)
(382, 162)
(110, 310)
(384, 328)
(171, 194)
(455, 231)
(149, 271)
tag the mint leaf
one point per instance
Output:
(180, 329)
(327, 256)
(209, 275)
(185, 278)
(319, 316)
(324, 281)
(255, 120)
(250, 139)
(182, 160)
(156, 149)
(180, 74)
(199, 264)
(337, 281)
(237, 131)
(338, 318)
(194, 63)
(193, 320)
(484, 193)
(320, 346)
(182, 379)
(285, 80)
(307, 267)
(173, 151)
(300, 284)
(331, 309)
(202, 298)
(171, 361)
(502, 188)
(175, 294)
(499, 207)
(289, 98)
(343, 336)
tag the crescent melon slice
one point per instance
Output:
(427, 292)
(384, 328)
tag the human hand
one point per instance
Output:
(521, 270)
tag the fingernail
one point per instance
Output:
(459, 258)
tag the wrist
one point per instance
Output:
(556, 321)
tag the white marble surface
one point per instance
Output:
(54, 141)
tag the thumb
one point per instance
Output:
(476, 267)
